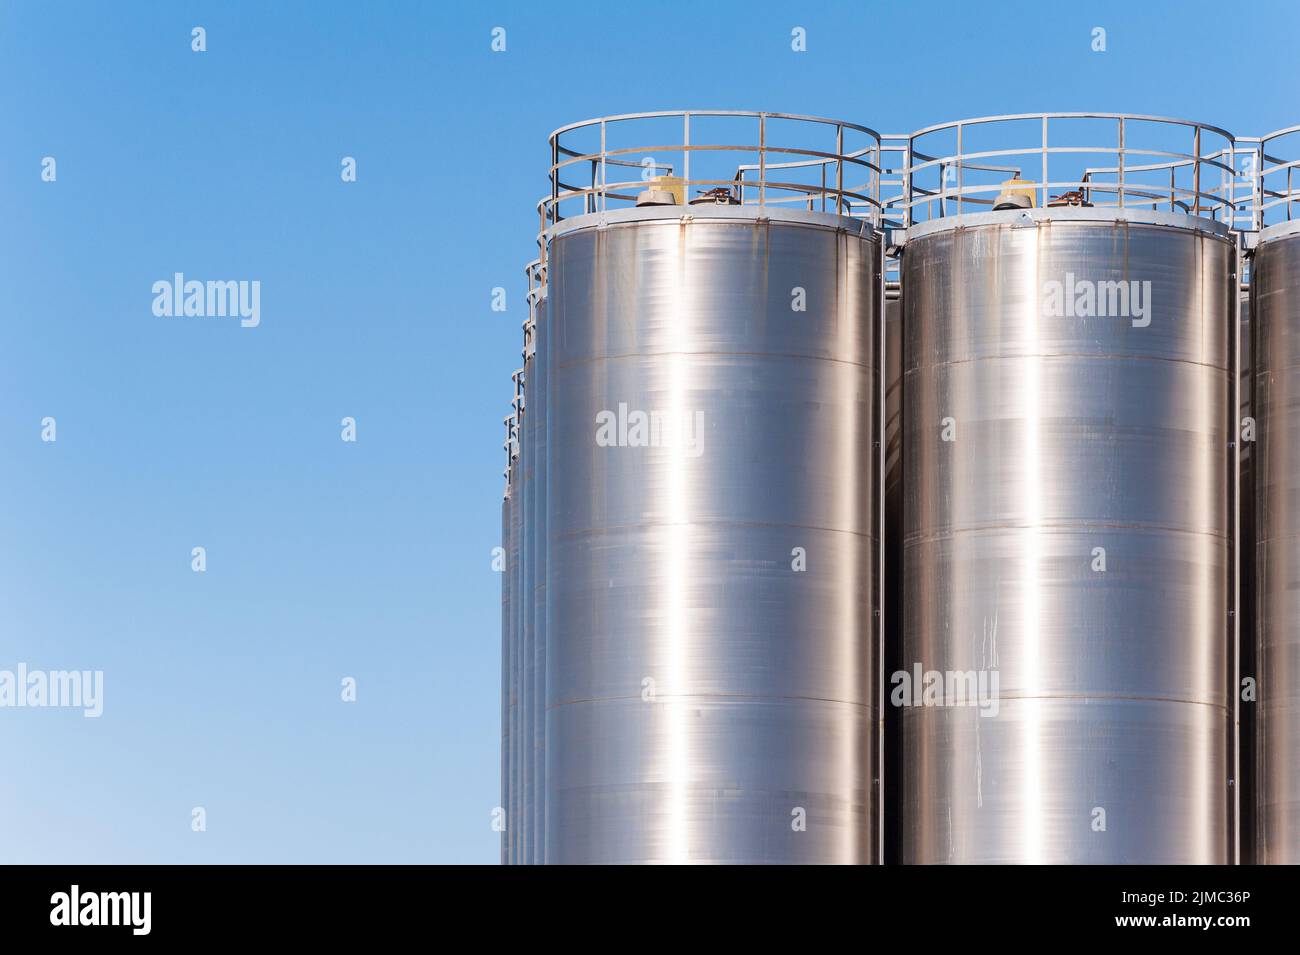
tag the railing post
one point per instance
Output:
(1229, 183)
(1120, 164)
(961, 165)
(555, 174)
(1044, 148)
(762, 158)
(877, 186)
(907, 186)
(686, 158)
(604, 167)
(1196, 170)
(1257, 212)
(839, 168)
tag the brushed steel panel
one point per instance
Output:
(989, 286)
(709, 779)
(1028, 604)
(1116, 441)
(1026, 786)
(685, 605)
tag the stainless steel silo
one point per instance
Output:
(1275, 303)
(892, 560)
(712, 517)
(539, 544)
(527, 560)
(1246, 776)
(515, 822)
(1069, 412)
(507, 635)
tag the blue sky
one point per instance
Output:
(369, 559)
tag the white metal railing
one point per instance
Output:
(535, 276)
(1196, 178)
(508, 446)
(1278, 177)
(511, 422)
(896, 180)
(791, 160)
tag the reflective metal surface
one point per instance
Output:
(1247, 713)
(893, 560)
(513, 815)
(538, 543)
(1275, 299)
(507, 651)
(707, 700)
(1067, 527)
(528, 709)
(528, 665)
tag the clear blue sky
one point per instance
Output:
(372, 559)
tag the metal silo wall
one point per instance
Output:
(540, 458)
(513, 816)
(1068, 434)
(507, 649)
(893, 560)
(1246, 778)
(703, 692)
(528, 663)
(1275, 299)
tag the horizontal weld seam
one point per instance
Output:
(579, 362)
(609, 528)
(726, 697)
(1074, 697)
(1062, 527)
(1224, 369)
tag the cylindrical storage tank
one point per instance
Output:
(711, 516)
(527, 565)
(1246, 774)
(1275, 304)
(1068, 542)
(507, 635)
(539, 543)
(892, 617)
(515, 826)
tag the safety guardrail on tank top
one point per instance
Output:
(1278, 177)
(1029, 160)
(697, 157)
